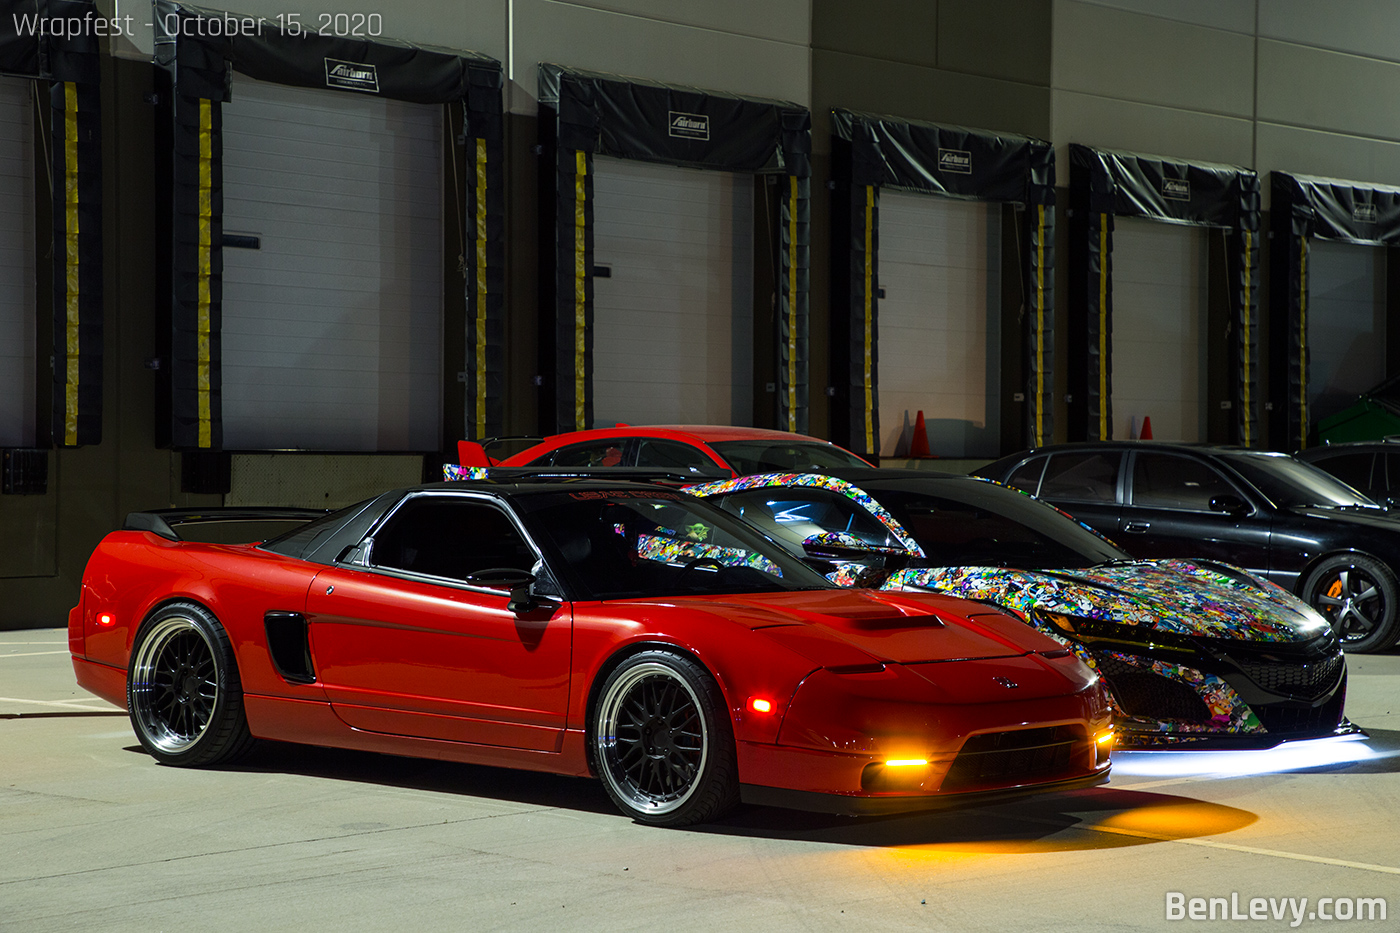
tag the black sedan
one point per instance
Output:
(1267, 512)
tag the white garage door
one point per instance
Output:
(940, 323)
(1159, 329)
(332, 336)
(673, 321)
(1346, 324)
(17, 373)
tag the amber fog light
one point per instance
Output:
(1103, 745)
(894, 774)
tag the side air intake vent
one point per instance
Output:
(290, 649)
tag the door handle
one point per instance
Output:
(1137, 528)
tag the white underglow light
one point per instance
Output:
(1289, 756)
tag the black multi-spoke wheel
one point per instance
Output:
(1358, 596)
(662, 741)
(182, 689)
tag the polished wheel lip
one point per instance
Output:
(1344, 610)
(174, 684)
(619, 710)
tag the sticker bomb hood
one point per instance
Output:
(1174, 596)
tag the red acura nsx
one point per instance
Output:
(614, 629)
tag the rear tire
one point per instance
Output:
(1359, 596)
(662, 742)
(183, 691)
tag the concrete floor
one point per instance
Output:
(97, 837)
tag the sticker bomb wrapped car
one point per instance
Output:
(1192, 651)
(620, 630)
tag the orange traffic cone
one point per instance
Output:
(918, 446)
(1146, 434)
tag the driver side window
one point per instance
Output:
(1162, 481)
(452, 537)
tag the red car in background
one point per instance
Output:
(703, 449)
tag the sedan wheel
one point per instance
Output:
(662, 741)
(1358, 596)
(183, 692)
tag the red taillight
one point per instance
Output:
(760, 705)
(105, 619)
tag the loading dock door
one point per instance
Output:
(1159, 328)
(940, 322)
(1346, 324)
(17, 374)
(332, 329)
(673, 313)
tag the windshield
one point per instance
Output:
(982, 524)
(638, 544)
(747, 457)
(1288, 482)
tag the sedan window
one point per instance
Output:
(1027, 476)
(1163, 481)
(605, 453)
(450, 536)
(1352, 469)
(748, 457)
(653, 452)
(1082, 477)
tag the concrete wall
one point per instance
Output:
(1288, 84)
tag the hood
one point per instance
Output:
(1177, 596)
(851, 628)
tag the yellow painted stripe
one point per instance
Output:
(1303, 342)
(206, 212)
(1103, 327)
(70, 245)
(867, 378)
(480, 288)
(1244, 390)
(1039, 401)
(792, 304)
(580, 288)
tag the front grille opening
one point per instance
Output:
(877, 777)
(1000, 759)
(1144, 694)
(1283, 720)
(1307, 681)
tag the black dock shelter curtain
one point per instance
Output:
(55, 43)
(1303, 207)
(1105, 185)
(585, 114)
(199, 51)
(873, 152)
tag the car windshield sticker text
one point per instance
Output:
(689, 125)
(616, 495)
(955, 160)
(1176, 189)
(352, 76)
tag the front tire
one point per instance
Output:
(1359, 596)
(183, 691)
(662, 741)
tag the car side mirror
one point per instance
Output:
(512, 578)
(1230, 504)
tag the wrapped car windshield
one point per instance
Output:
(627, 544)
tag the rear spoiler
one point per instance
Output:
(477, 453)
(164, 521)
(451, 472)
